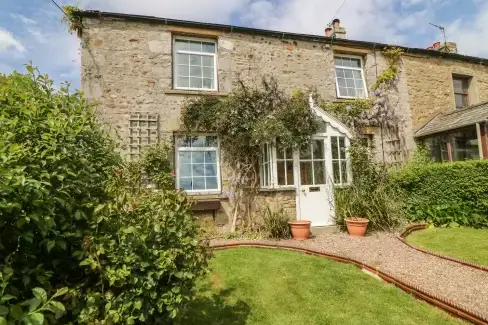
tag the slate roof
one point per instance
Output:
(455, 119)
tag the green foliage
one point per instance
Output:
(251, 116)
(275, 223)
(68, 220)
(371, 195)
(73, 19)
(442, 193)
(350, 112)
(387, 76)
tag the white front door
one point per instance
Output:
(314, 186)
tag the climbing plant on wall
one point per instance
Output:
(72, 18)
(249, 117)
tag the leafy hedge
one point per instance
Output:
(446, 193)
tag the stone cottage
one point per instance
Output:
(141, 70)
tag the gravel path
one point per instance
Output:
(447, 280)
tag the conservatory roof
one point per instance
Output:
(455, 119)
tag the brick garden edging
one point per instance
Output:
(409, 229)
(406, 286)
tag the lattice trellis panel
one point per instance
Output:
(143, 131)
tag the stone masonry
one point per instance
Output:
(127, 68)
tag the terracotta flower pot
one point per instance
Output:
(356, 227)
(300, 229)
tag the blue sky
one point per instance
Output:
(30, 30)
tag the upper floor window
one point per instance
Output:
(350, 77)
(197, 161)
(461, 86)
(195, 64)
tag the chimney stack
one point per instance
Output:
(448, 47)
(335, 30)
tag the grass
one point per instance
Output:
(464, 243)
(275, 287)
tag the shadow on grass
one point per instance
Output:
(215, 309)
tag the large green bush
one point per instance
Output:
(442, 193)
(68, 220)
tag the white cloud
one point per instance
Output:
(23, 19)
(8, 42)
(38, 35)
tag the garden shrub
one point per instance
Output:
(371, 195)
(444, 193)
(67, 219)
(274, 223)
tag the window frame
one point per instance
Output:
(193, 149)
(466, 80)
(175, 64)
(361, 69)
(340, 160)
(273, 169)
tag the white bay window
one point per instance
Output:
(197, 161)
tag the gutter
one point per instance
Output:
(277, 34)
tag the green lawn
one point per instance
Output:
(276, 287)
(465, 243)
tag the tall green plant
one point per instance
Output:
(371, 194)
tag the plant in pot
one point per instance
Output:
(351, 210)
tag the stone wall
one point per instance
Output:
(277, 200)
(430, 87)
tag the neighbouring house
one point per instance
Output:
(142, 69)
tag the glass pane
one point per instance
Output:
(358, 84)
(195, 46)
(342, 91)
(344, 171)
(266, 174)
(197, 157)
(198, 169)
(208, 72)
(355, 63)
(211, 170)
(195, 59)
(207, 61)
(281, 173)
(290, 180)
(196, 82)
(265, 153)
(338, 61)
(212, 183)
(346, 62)
(183, 59)
(210, 157)
(185, 170)
(208, 47)
(465, 144)
(350, 83)
(198, 141)
(337, 172)
(207, 83)
(360, 93)
(351, 92)
(357, 75)
(348, 74)
(280, 154)
(211, 141)
(184, 157)
(183, 82)
(342, 147)
(195, 71)
(185, 183)
(333, 144)
(306, 177)
(305, 152)
(181, 45)
(461, 100)
(319, 172)
(341, 82)
(318, 149)
(340, 73)
(198, 183)
(458, 85)
(289, 153)
(183, 70)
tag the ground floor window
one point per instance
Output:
(197, 161)
(457, 145)
(340, 166)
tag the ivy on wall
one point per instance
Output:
(72, 19)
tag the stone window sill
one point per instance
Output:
(278, 189)
(194, 92)
(205, 197)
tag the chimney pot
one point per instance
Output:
(335, 30)
(328, 32)
(336, 23)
